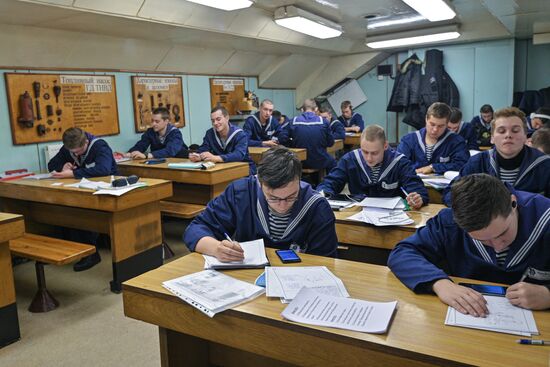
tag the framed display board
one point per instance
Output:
(227, 92)
(150, 92)
(43, 106)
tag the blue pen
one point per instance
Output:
(533, 342)
(227, 237)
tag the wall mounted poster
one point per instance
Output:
(227, 93)
(43, 106)
(150, 92)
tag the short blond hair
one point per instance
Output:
(373, 133)
(509, 112)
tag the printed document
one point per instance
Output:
(310, 307)
(382, 217)
(211, 291)
(254, 257)
(286, 281)
(503, 318)
(384, 203)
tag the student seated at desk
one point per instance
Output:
(482, 125)
(163, 139)
(435, 149)
(493, 233)
(312, 132)
(336, 127)
(224, 142)
(464, 129)
(353, 122)
(511, 161)
(274, 205)
(541, 140)
(261, 128)
(538, 119)
(376, 170)
(82, 155)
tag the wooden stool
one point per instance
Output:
(47, 250)
(177, 210)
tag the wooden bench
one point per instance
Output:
(177, 210)
(47, 250)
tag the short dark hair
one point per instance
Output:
(74, 137)
(325, 110)
(439, 110)
(456, 115)
(276, 115)
(278, 167)
(220, 108)
(478, 199)
(163, 111)
(541, 139)
(544, 111)
(345, 105)
(486, 108)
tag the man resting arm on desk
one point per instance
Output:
(493, 233)
(274, 205)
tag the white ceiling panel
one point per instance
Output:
(252, 63)
(169, 11)
(205, 17)
(289, 72)
(250, 22)
(195, 60)
(122, 7)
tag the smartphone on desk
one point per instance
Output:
(490, 290)
(155, 161)
(288, 256)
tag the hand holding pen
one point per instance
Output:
(413, 199)
(229, 250)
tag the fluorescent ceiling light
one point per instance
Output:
(305, 22)
(227, 5)
(389, 22)
(433, 10)
(436, 37)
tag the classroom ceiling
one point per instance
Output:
(180, 36)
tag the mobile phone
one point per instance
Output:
(288, 256)
(491, 290)
(155, 161)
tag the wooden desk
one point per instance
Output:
(11, 227)
(338, 145)
(354, 139)
(257, 153)
(190, 185)
(484, 148)
(363, 234)
(255, 334)
(435, 195)
(132, 220)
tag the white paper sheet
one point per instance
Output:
(254, 257)
(382, 217)
(38, 176)
(503, 318)
(211, 291)
(118, 191)
(87, 184)
(385, 203)
(310, 307)
(450, 175)
(286, 281)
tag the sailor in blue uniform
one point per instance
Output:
(511, 161)
(312, 132)
(464, 129)
(82, 156)
(376, 170)
(163, 139)
(223, 142)
(261, 128)
(336, 127)
(274, 205)
(493, 233)
(482, 125)
(353, 122)
(435, 149)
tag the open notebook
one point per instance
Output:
(254, 257)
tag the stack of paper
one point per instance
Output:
(503, 317)
(192, 165)
(382, 217)
(254, 257)
(211, 291)
(384, 203)
(87, 184)
(286, 281)
(450, 175)
(38, 176)
(310, 307)
(438, 183)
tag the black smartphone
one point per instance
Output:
(155, 161)
(288, 256)
(491, 290)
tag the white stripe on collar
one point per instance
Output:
(315, 197)
(420, 142)
(390, 166)
(482, 250)
(228, 138)
(532, 166)
(80, 160)
(533, 237)
(357, 154)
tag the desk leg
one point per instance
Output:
(9, 323)
(136, 240)
(178, 349)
